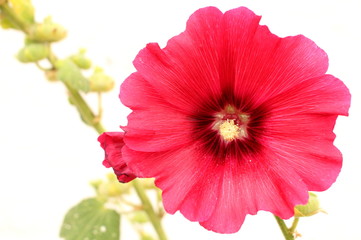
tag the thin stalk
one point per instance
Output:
(148, 208)
(83, 108)
(286, 232)
(294, 225)
(100, 106)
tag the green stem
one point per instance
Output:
(83, 108)
(148, 208)
(294, 225)
(286, 232)
(100, 105)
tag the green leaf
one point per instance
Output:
(69, 73)
(91, 220)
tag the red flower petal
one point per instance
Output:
(293, 58)
(258, 184)
(300, 129)
(183, 72)
(231, 119)
(185, 180)
(320, 95)
(137, 93)
(147, 132)
(112, 143)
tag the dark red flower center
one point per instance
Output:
(231, 124)
(229, 127)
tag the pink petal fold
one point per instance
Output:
(112, 143)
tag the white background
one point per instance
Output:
(48, 156)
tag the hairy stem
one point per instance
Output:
(286, 232)
(84, 110)
(294, 225)
(148, 208)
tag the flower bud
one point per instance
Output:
(69, 73)
(96, 183)
(139, 217)
(33, 52)
(80, 60)
(47, 31)
(24, 10)
(110, 189)
(100, 82)
(309, 209)
(112, 178)
(145, 236)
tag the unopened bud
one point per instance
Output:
(110, 189)
(80, 60)
(96, 183)
(309, 209)
(100, 82)
(112, 178)
(47, 31)
(139, 217)
(69, 73)
(147, 237)
(24, 10)
(33, 52)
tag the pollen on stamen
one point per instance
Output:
(229, 130)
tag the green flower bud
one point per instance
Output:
(111, 177)
(69, 73)
(24, 10)
(110, 189)
(147, 237)
(100, 82)
(96, 184)
(309, 209)
(33, 52)
(47, 31)
(139, 217)
(80, 60)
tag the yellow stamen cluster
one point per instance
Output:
(229, 130)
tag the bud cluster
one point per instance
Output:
(72, 70)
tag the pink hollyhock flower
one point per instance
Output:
(230, 119)
(112, 143)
